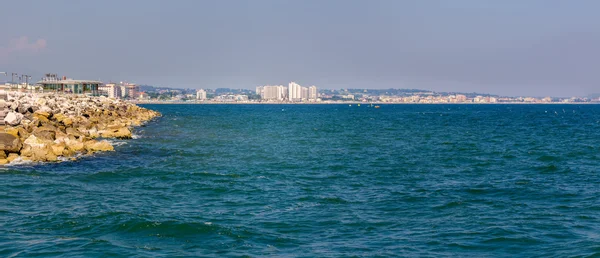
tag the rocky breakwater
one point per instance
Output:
(52, 127)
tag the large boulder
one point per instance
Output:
(12, 130)
(40, 102)
(74, 145)
(121, 133)
(45, 109)
(41, 116)
(9, 143)
(93, 146)
(45, 132)
(58, 149)
(22, 109)
(37, 149)
(13, 118)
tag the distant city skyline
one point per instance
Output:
(510, 48)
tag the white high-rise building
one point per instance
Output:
(312, 93)
(271, 92)
(304, 93)
(294, 92)
(201, 94)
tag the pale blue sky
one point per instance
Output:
(509, 47)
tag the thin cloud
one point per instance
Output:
(22, 45)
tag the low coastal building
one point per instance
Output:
(53, 83)
(129, 90)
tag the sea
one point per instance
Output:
(320, 181)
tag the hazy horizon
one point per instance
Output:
(512, 48)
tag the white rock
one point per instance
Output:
(13, 118)
(46, 109)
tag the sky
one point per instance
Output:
(508, 47)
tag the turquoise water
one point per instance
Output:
(321, 181)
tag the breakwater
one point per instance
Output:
(53, 127)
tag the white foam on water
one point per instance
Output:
(20, 161)
(114, 142)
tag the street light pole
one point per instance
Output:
(26, 77)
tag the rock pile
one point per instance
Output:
(45, 127)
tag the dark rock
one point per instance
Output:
(22, 109)
(9, 143)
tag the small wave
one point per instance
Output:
(333, 200)
(166, 228)
(20, 162)
(115, 142)
(324, 200)
(509, 240)
(451, 204)
(548, 168)
(477, 190)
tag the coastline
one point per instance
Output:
(43, 127)
(352, 103)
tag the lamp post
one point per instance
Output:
(26, 77)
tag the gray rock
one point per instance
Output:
(22, 109)
(13, 118)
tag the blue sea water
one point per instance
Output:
(321, 181)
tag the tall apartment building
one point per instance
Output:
(201, 94)
(268, 92)
(304, 93)
(312, 93)
(294, 92)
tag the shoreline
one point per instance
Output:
(48, 127)
(350, 103)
